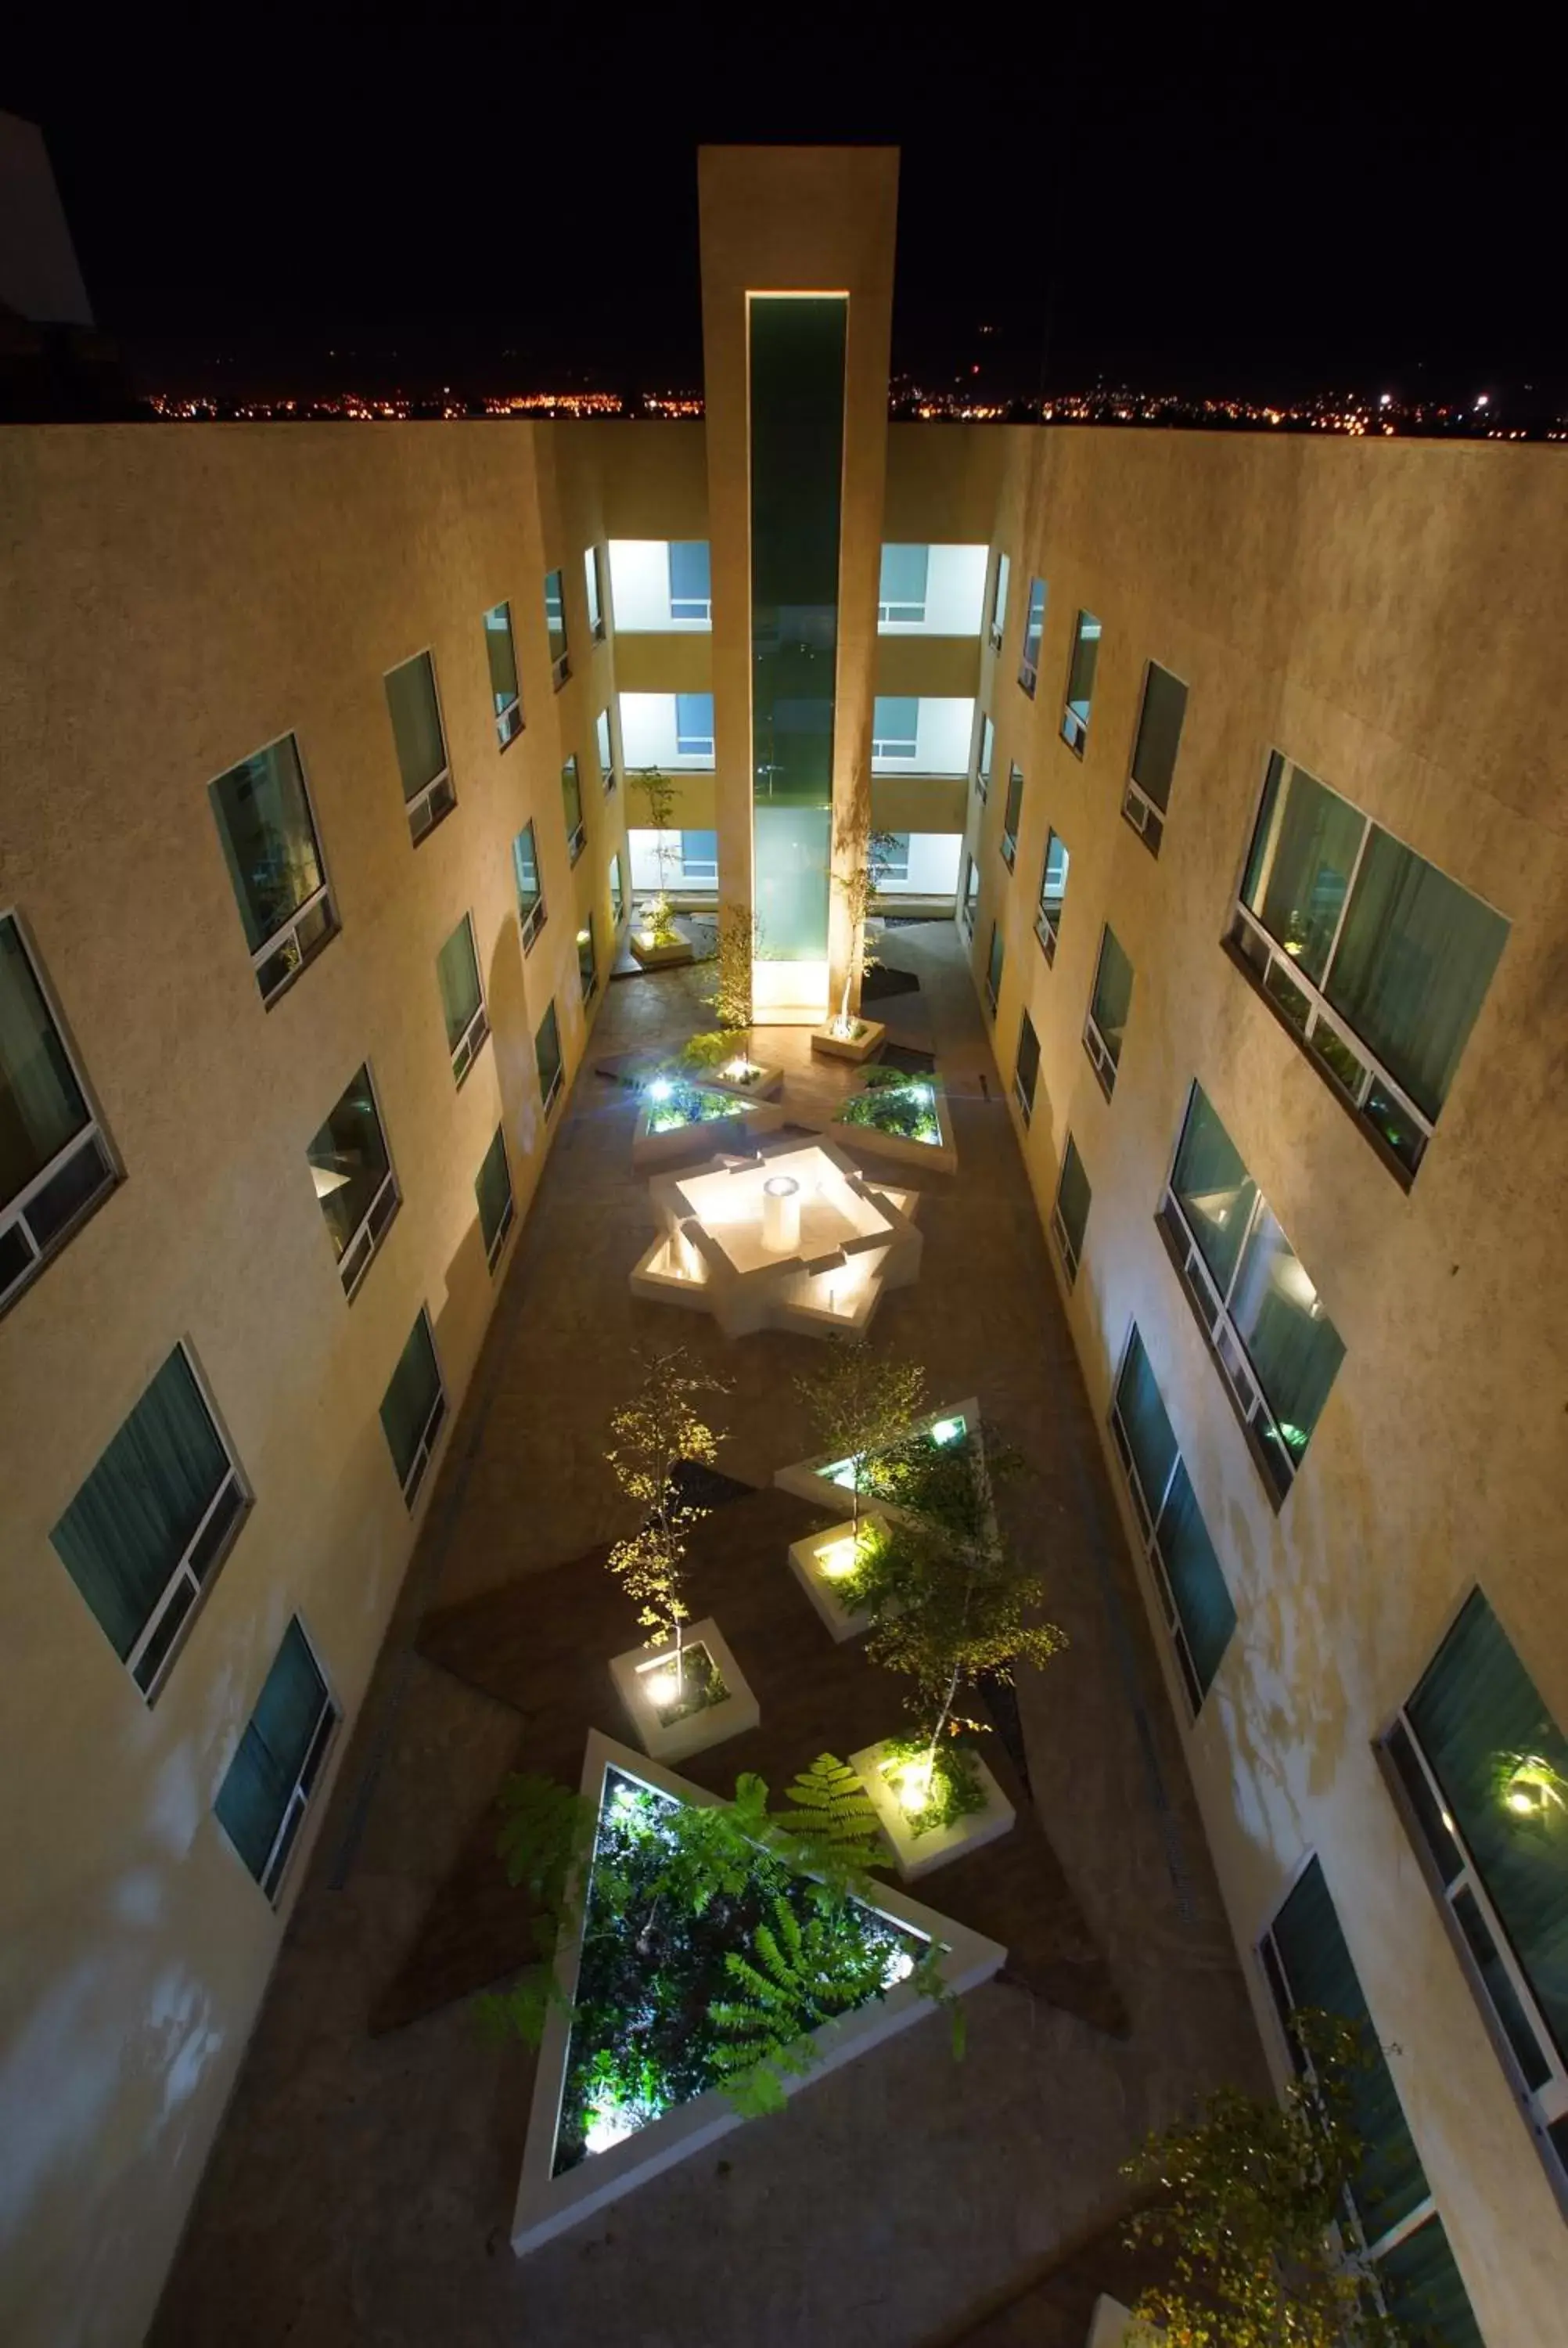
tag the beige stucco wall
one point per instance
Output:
(1392, 616)
(172, 599)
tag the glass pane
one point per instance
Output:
(1148, 1433)
(1293, 1347)
(591, 579)
(694, 725)
(601, 733)
(616, 896)
(416, 723)
(1499, 1989)
(1159, 734)
(1319, 1974)
(1502, 1764)
(1015, 803)
(269, 840)
(1072, 1196)
(411, 1397)
(554, 615)
(1053, 879)
(1196, 1582)
(136, 1514)
(492, 1188)
(41, 1104)
(585, 962)
(1034, 626)
(262, 1775)
(348, 1161)
(547, 1051)
(689, 576)
(1424, 2291)
(902, 588)
(1299, 867)
(1414, 963)
(525, 866)
(1112, 993)
(458, 974)
(1435, 1828)
(1214, 1188)
(1028, 1056)
(501, 656)
(1085, 659)
(972, 886)
(999, 611)
(571, 797)
(895, 726)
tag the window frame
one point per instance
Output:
(278, 940)
(1148, 1518)
(509, 721)
(1104, 1061)
(968, 896)
(1049, 931)
(467, 1049)
(1074, 728)
(694, 746)
(996, 618)
(13, 1214)
(904, 612)
(887, 747)
(1072, 1257)
(985, 753)
(286, 1841)
(374, 1224)
(604, 748)
(590, 988)
(1145, 816)
(493, 1248)
(560, 663)
(575, 838)
(531, 922)
(994, 987)
(419, 1467)
(694, 611)
(615, 881)
(596, 580)
(425, 798)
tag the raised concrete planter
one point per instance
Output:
(942, 1154)
(651, 957)
(641, 1669)
(918, 1854)
(547, 2205)
(826, 1480)
(735, 1132)
(767, 1084)
(1112, 2326)
(849, 1047)
(812, 1561)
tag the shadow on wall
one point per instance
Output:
(516, 1071)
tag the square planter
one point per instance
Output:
(765, 1085)
(1110, 2326)
(636, 1672)
(812, 1561)
(651, 957)
(918, 1855)
(734, 1132)
(849, 1047)
(941, 1154)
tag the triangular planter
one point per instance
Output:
(548, 2205)
(940, 1156)
(812, 1479)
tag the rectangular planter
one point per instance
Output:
(549, 2206)
(849, 1047)
(918, 1855)
(674, 1740)
(806, 1557)
(941, 1156)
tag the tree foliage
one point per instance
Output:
(861, 1401)
(1253, 2194)
(651, 1435)
(659, 798)
(859, 859)
(740, 945)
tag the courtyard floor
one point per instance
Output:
(362, 2187)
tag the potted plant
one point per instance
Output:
(951, 1603)
(857, 867)
(862, 1404)
(683, 1688)
(655, 939)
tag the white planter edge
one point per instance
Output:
(807, 1479)
(920, 1855)
(843, 1622)
(942, 1155)
(857, 1049)
(677, 1740)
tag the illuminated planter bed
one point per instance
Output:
(587, 2145)
(752, 1079)
(900, 1116)
(797, 1239)
(651, 955)
(680, 1120)
(824, 1565)
(864, 1037)
(675, 1714)
(906, 1798)
(828, 1480)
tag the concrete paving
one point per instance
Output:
(362, 2187)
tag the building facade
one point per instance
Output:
(1237, 761)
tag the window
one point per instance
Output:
(994, 969)
(1262, 1317)
(606, 748)
(55, 1163)
(895, 725)
(461, 997)
(1159, 738)
(700, 858)
(1377, 960)
(275, 860)
(1070, 1214)
(355, 1184)
(1033, 635)
(500, 653)
(492, 1189)
(1108, 1008)
(983, 764)
(547, 1057)
(414, 1406)
(1000, 603)
(1010, 816)
(1026, 1068)
(890, 858)
(969, 903)
(555, 627)
(530, 895)
(694, 725)
(597, 601)
(1483, 1770)
(416, 728)
(1052, 894)
(617, 890)
(901, 590)
(1193, 1597)
(145, 1534)
(572, 802)
(690, 590)
(1392, 2214)
(587, 965)
(1081, 682)
(269, 1783)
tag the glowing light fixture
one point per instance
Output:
(610, 2124)
(912, 1780)
(948, 1430)
(900, 1967)
(839, 1557)
(660, 1089)
(664, 1687)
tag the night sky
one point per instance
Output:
(511, 195)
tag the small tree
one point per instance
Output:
(862, 1401)
(740, 944)
(860, 861)
(949, 1598)
(1252, 2196)
(650, 1436)
(659, 793)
